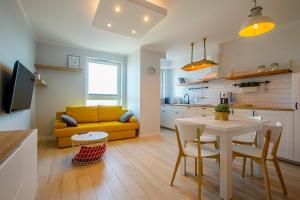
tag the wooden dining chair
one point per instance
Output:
(272, 134)
(186, 134)
(251, 140)
(209, 139)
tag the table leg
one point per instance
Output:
(225, 167)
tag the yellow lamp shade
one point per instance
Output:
(199, 65)
(256, 25)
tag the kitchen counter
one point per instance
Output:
(234, 107)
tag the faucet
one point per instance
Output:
(186, 94)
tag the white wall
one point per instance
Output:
(150, 91)
(133, 82)
(64, 88)
(143, 89)
(16, 43)
(280, 45)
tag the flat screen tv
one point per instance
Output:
(20, 89)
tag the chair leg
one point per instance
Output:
(176, 168)
(201, 167)
(275, 161)
(266, 179)
(196, 167)
(184, 166)
(244, 166)
(252, 169)
(216, 144)
(199, 177)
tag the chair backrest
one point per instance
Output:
(187, 132)
(272, 133)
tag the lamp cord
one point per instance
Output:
(204, 40)
(192, 52)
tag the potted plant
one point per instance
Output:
(222, 112)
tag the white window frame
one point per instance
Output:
(118, 96)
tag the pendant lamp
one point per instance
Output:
(204, 63)
(257, 24)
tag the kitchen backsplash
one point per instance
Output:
(278, 93)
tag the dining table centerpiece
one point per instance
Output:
(222, 112)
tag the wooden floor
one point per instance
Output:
(141, 169)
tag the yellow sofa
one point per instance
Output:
(95, 118)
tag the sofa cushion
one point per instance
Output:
(69, 120)
(125, 117)
(83, 114)
(101, 126)
(109, 113)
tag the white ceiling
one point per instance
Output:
(129, 17)
(69, 23)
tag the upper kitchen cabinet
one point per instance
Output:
(296, 99)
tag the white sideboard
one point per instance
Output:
(18, 171)
(287, 148)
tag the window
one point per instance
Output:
(103, 83)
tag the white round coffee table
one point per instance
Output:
(88, 147)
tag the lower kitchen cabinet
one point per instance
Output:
(286, 146)
(168, 116)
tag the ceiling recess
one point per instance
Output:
(128, 15)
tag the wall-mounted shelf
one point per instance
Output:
(259, 74)
(192, 83)
(58, 68)
(40, 83)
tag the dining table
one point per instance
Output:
(225, 130)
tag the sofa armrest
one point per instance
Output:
(133, 119)
(60, 124)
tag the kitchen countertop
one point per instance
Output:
(235, 107)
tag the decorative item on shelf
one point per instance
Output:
(222, 112)
(201, 64)
(74, 62)
(181, 80)
(274, 66)
(151, 70)
(257, 24)
(261, 68)
(37, 76)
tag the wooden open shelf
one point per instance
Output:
(58, 68)
(193, 83)
(40, 83)
(259, 74)
(200, 81)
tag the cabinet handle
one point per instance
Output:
(296, 105)
(232, 112)
(253, 113)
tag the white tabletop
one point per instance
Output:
(233, 126)
(89, 136)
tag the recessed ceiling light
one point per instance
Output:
(118, 9)
(133, 32)
(109, 25)
(146, 19)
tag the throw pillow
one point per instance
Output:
(125, 117)
(70, 121)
